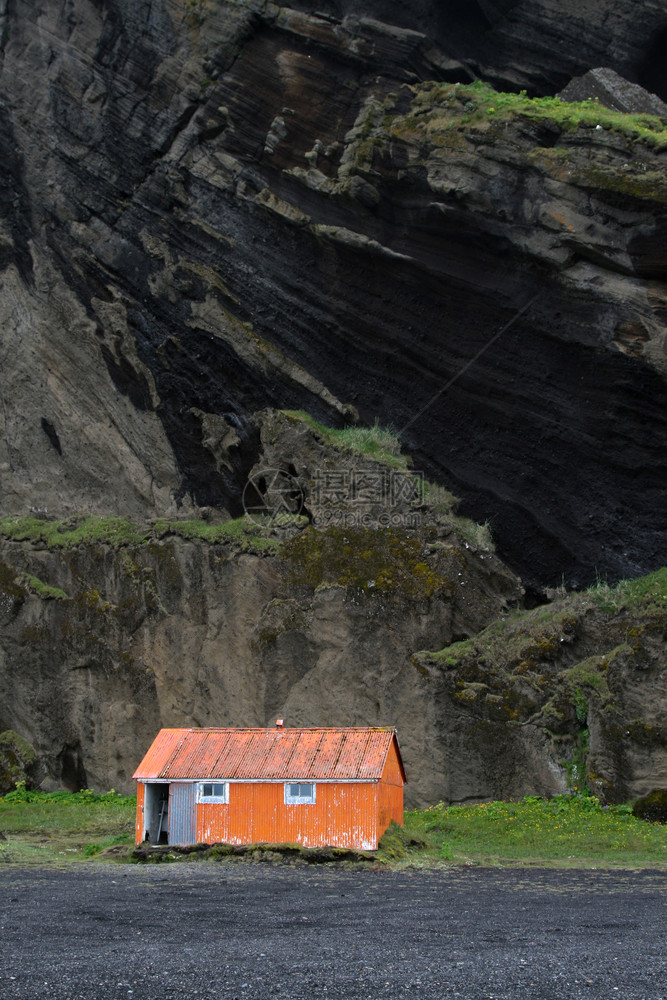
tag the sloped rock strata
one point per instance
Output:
(211, 208)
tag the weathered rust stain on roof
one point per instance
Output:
(336, 754)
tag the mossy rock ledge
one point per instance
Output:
(18, 762)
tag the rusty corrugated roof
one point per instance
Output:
(340, 754)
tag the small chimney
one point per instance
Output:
(279, 723)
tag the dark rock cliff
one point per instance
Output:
(212, 207)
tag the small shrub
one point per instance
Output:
(396, 840)
(20, 767)
(652, 807)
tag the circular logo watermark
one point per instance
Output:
(270, 494)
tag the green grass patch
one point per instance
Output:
(441, 500)
(452, 655)
(119, 532)
(57, 828)
(478, 536)
(565, 831)
(644, 594)
(43, 590)
(568, 831)
(242, 532)
(376, 442)
(113, 531)
(453, 104)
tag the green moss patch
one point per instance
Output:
(365, 560)
(244, 534)
(441, 107)
(119, 532)
(113, 531)
(43, 590)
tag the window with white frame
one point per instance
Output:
(213, 791)
(299, 793)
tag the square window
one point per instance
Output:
(299, 792)
(213, 791)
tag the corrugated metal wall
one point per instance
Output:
(390, 806)
(139, 826)
(183, 812)
(390, 793)
(392, 768)
(344, 815)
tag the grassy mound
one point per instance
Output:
(55, 828)
(568, 831)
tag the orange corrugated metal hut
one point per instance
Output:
(316, 787)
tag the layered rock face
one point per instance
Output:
(208, 208)
(105, 642)
(537, 44)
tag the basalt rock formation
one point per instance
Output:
(208, 208)
(536, 44)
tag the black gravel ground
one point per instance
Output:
(253, 932)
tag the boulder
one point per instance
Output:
(611, 89)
